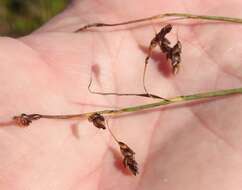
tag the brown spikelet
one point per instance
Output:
(129, 159)
(24, 120)
(174, 55)
(98, 120)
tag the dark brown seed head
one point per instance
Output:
(23, 120)
(129, 160)
(165, 45)
(177, 49)
(125, 150)
(172, 53)
(131, 164)
(175, 56)
(160, 39)
(98, 120)
(165, 30)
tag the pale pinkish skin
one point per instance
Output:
(191, 146)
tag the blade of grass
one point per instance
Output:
(165, 15)
(138, 108)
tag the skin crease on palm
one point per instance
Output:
(190, 146)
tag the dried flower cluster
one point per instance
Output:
(24, 120)
(172, 53)
(97, 120)
(129, 159)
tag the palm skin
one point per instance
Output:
(191, 146)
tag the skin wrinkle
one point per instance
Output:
(220, 137)
(153, 132)
(233, 75)
(210, 130)
(98, 168)
(203, 123)
(207, 128)
(114, 66)
(101, 36)
(201, 47)
(86, 95)
(103, 158)
(80, 180)
(78, 104)
(114, 59)
(156, 125)
(221, 68)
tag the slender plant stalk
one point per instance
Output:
(177, 16)
(147, 95)
(138, 108)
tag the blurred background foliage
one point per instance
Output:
(20, 17)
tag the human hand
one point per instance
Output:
(191, 146)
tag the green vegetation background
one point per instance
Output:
(20, 17)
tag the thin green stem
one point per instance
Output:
(178, 99)
(204, 17)
(142, 107)
(177, 16)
